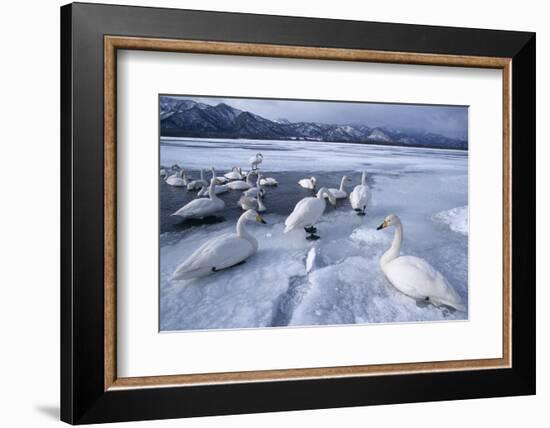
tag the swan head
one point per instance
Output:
(259, 155)
(324, 191)
(252, 215)
(390, 220)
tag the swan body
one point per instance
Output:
(268, 181)
(197, 184)
(359, 196)
(240, 184)
(202, 207)
(414, 276)
(308, 211)
(308, 183)
(341, 192)
(248, 202)
(221, 252)
(177, 180)
(234, 174)
(256, 160)
(257, 190)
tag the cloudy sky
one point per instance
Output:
(451, 121)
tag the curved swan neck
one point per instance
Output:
(243, 233)
(211, 191)
(344, 178)
(394, 250)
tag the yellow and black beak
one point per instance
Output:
(259, 219)
(383, 225)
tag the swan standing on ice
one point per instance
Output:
(414, 276)
(308, 183)
(254, 191)
(341, 192)
(359, 196)
(197, 184)
(268, 181)
(234, 174)
(248, 202)
(307, 212)
(254, 161)
(177, 180)
(202, 207)
(222, 252)
(240, 184)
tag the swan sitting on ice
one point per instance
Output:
(234, 174)
(241, 184)
(202, 207)
(197, 184)
(341, 192)
(256, 160)
(308, 183)
(248, 202)
(359, 196)
(254, 191)
(308, 211)
(178, 179)
(414, 276)
(221, 252)
(268, 181)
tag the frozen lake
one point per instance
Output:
(342, 283)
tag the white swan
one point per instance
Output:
(202, 207)
(258, 189)
(308, 211)
(308, 183)
(221, 252)
(359, 196)
(163, 173)
(241, 184)
(218, 189)
(414, 276)
(341, 192)
(256, 160)
(234, 174)
(177, 180)
(268, 181)
(197, 184)
(248, 202)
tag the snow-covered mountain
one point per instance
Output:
(187, 118)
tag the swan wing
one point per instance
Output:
(417, 278)
(219, 253)
(305, 213)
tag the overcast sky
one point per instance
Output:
(451, 121)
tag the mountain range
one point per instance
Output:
(187, 118)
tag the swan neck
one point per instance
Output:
(243, 233)
(211, 189)
(395, 249)
(364, 179)
(342, 184)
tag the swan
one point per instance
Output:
(254, 191)
(241, 184)
(341, 192)
(256, 160)
(217, 189)
(197, 184)
(177, 180)
(359, 196)
(234, 174)
(248, 202)
(414, 276)
(308, 183)
(163, 173)
(268, 181)
(308, 211)
(221, 252)
(202, 207)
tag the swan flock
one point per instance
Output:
(410, 275)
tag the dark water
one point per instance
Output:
(279, 199)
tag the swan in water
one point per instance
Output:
(308, 183)
(248, 202)
(258, 189)
(268, 181)
(221, 252)
(414, 276)
(202, 207)
(177, 180)
(341, 192)
(359, 196)
(234, 174)
(197, 184)
(218, 189)
(241, 184)
(308, 211)
(256, 160)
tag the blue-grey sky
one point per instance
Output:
(451, 121)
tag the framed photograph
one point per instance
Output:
(266, 213)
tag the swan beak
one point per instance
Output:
(259, 219)
(383, 225)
